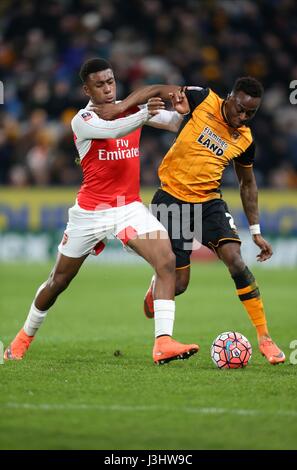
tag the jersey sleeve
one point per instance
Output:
(87, 125)
(247, 158)
(195, 96)
(168, 120)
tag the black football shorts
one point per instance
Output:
(210, 223)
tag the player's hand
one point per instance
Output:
(179, 102)
(107, 111)
(266, 249)
(154, 105)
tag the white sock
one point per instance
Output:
(164, 317)
(35, 316)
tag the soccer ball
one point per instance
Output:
(231, 350)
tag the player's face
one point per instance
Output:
(240, 108)
(101, 87)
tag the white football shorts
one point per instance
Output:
(86, 231)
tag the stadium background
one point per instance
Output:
(88, 381)
(207, 43)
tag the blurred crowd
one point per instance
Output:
(193, 42)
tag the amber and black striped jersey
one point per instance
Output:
(192, 168)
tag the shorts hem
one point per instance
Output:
(183, 267)
(213, 246)
(72, 255)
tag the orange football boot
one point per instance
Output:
(18, 347)
(167, 349)
(148, 304)
(271, 351)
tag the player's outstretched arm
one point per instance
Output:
(86, 125)
(142, 95)
(161, 118)
(137, 97)
(249, 198)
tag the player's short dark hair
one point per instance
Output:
(91, 66)
(249, 85)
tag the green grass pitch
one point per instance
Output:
(73, 392)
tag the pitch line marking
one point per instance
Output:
(131, 408)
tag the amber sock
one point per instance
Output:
(249, 295)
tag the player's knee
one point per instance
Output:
(166, 263)
(236, 264)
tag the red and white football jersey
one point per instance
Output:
(109, 155)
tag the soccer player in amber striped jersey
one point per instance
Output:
(214, 133)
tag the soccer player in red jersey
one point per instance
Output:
(108, 204)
